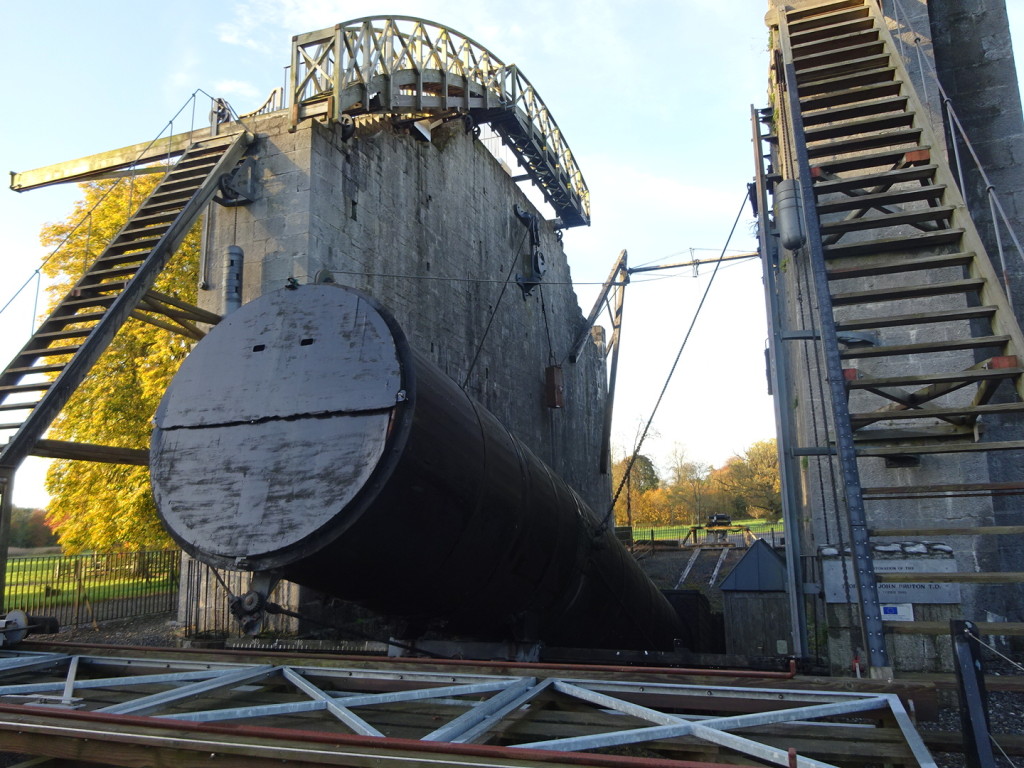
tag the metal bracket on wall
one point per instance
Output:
(536, 266)
(239, 186)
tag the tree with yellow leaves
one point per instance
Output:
(97, 506)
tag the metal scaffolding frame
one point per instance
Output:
(417, 710)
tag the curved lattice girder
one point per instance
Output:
(404, 64)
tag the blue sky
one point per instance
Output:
(652, 96)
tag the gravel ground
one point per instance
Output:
(159, 630)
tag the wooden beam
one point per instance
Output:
(957, 447)
(60, 449)
(96, 166)
(991, 530)
(1014, 628)
(1007, 577)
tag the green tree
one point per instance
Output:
(109, 506)
(754, 477)
(633, 506)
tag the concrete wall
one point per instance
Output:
(428, 229)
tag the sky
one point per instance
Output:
(653, 97)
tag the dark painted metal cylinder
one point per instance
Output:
(305, 435)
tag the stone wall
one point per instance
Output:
(429, 230)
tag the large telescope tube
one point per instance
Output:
(305, 436)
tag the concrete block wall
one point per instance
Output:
(429, 230)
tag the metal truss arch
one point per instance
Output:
(408, 65)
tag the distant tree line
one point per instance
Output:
(29, 528)
(747, 485)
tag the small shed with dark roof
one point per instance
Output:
(755, 604)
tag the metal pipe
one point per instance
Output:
(306, 437)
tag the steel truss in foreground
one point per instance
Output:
(110, 709)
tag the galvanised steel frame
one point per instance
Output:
(404, 64)
(405, 714)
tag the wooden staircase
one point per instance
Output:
(904, 259)
(41, 378)
(922, 334)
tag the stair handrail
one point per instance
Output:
(167, 131)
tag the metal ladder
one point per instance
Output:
(37, 383)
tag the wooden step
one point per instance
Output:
(823, 8)
(830, 31)
(29, 370)
(67, 333)
(839, 128)
(900, 266)
(98, 289)
(869, 182)
(152, 229)
(859, 110)
(909, 435)
(59, 321)
(195, 162)
(969, 375)
(912, 216)
(19, 406)
(39, 386)
(149, 218)
(807, 20)
(869, 417)
(846, 82)
(51, 351)
(126, 245)
(907, 139)
(115, 259)
(855, 38)
(926, 347)
(96, 277)
(952, 447)
(184, 185)
(886, 160)
(985, 628)
(894, 244)
(816, 105)
(988, 577)
(901, 292)
(918, 318)
(882, 199)
(166, 204)
(839, 52)
(830, 72)
(947, 490)
(95, 300)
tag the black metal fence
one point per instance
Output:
(702, 535)
(205, 611)
(80, 589)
